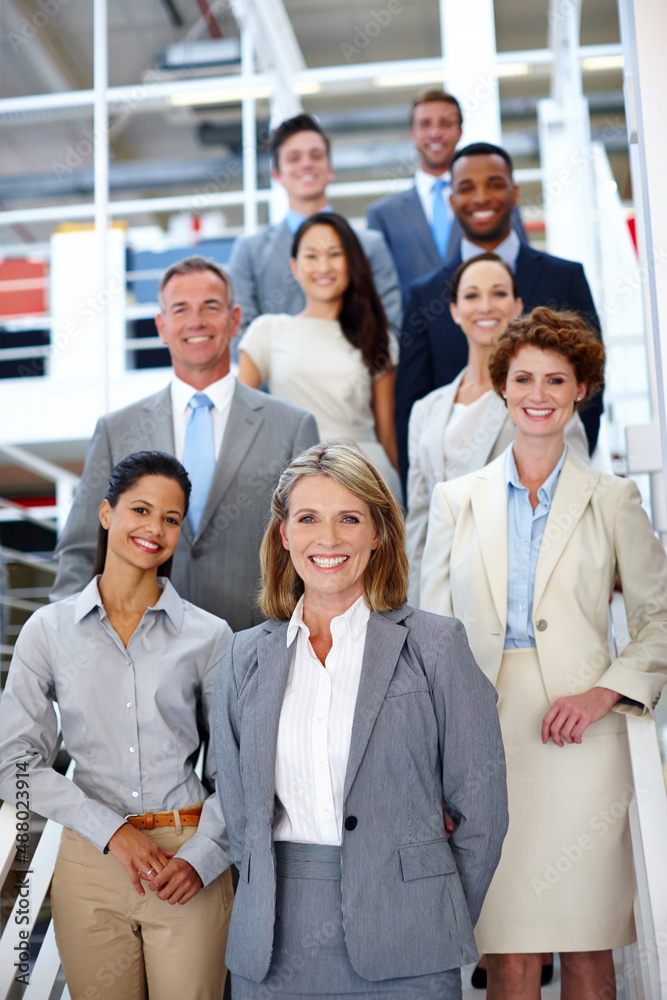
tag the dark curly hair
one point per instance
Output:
(564, 332)
(362, 317)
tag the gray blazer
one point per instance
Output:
(401, 220)
(425, 727)
(219, 568)
(264, 283)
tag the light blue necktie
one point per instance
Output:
(440, 221)
(199, 455)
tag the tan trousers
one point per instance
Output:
(117, 945)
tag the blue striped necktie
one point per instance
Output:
(199, 455)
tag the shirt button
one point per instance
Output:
(128, 663)
(320, 718)
(522, 607)
(326, 812)
(524, 575)
(129, 705)
(522, 635)
(321, 763)
(131, 749)
(135, 795)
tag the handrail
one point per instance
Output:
(36, 879)
(27, 558)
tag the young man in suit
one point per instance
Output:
(259, 265)
(234, 461)
(433, 347)
(419, 225)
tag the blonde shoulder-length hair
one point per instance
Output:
(386, 576)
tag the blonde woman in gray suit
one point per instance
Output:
(526, 552)
(341, 724)
(460, 427)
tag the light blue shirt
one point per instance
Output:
(128, 718)
(508, 250)
(525, 529)
(294, 219)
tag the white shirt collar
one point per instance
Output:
(424, 182)
(220, 393)
(508, 250)
(355, 619)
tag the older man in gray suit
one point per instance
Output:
(259, 264)
(248, 438)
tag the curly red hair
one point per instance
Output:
(564, 332)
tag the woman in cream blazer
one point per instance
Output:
(565, 882)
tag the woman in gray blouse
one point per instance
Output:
(141, 895)
(341, 724)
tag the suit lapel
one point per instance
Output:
(529, 266)
(244, 421)
(161, 411)
(384, 641)
(416, 221)
(574, 489)
(437, 424)
(273, 666)
(488, 496)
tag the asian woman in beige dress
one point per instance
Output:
(335, 359)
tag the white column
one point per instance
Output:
(643, 33)
(468, 38)
(101, 183)
(249, 134)
(566, 154)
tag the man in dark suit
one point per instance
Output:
(433, 347)
(251, 438)
(419, 225)
(260, 264)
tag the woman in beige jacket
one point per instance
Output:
(526, 553)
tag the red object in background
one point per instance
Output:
(23, 286)
(632, 226)
(40, 501)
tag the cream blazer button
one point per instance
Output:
(541, 625)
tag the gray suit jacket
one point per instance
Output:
(401, 220)
(425, 727)
(219, 568)
(264, 283)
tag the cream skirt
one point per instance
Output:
(565, 880)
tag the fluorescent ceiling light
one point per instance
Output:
(602, 62)
(307, 87)
(513, 69)
(408, 79)
(222, 95)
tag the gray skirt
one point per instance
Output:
(309, 957)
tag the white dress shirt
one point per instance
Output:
(128, 718)
(424, 184)
(315, 729)
(220, 393)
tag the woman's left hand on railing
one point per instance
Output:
(569, 717)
